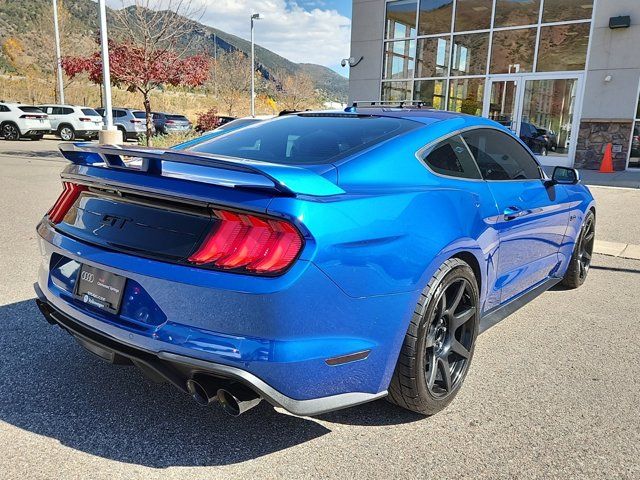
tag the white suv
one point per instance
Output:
(22, 121)
(72, 121)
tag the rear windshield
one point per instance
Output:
(307, 138)
(139, 114)
(90, 112)
(31, 109)
(177, 117)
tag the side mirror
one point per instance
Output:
(565, 176)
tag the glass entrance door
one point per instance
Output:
(540, 109)
(503, 103)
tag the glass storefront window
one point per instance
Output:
(634, 158)
(548, 106)
(431, 92)
(512, 50)
(435, 16)
(473, 15)
(511, 13)
(399, 59)
(563, 47)
(564, 10)
(396, 91)
(470, 53)
(466, 94)
(401, 19)
(432, 57)
(502, 102)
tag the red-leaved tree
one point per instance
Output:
(134, 68)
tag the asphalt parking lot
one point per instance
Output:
(552, 393)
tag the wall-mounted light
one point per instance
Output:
(608, 78)
(623, 21)
(351, 61)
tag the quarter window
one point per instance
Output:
(500, 156)
(452, 158)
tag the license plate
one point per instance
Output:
(99, 288)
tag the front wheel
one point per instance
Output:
(581, 258)
(438, 346)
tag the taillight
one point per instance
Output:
(67, 198)
(32, 117)
(135, 121)
(250, 243)
(84, 119)
(171, 122)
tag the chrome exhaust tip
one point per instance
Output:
(237, 400)
(202, 390)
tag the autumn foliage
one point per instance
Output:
(134, 68)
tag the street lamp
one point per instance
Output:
(255, 16)
(58, 56)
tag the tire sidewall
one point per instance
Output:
(71, 135)
(458, 271)
(15, 134)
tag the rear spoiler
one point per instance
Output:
(230, 172)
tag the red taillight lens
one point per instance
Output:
(67, 198)
(84, 119)
(251, 243)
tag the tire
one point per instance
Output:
(580, 262)
(543, 151)
(124, 133)
(66, 133)
(10, 131)
(438, 331)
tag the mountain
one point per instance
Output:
(22, 19)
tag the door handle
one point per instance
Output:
(511, 213)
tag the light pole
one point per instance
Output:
(108, 135)
(255, 16)
(58, 56)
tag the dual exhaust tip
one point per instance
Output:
(234, 398)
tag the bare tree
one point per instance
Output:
(158, 29)
(233, 85)
(297, 91)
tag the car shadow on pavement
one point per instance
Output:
(42, 155)
(50, 386)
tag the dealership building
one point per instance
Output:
(563, 74)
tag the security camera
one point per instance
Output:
(343, 62)
(351, 61)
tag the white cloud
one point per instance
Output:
(317, 35)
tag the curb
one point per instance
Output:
(617, 249)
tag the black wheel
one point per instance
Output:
(10, 132)
(439, 343)
(582, 253)
(543, 151)
(66, 133)
(124, 133)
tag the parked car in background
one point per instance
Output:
(132, 123)
(73, 121)
(236, 124)
(317, 261)
(530, 135)
(22, 121)
(551, 137)
(166, 123)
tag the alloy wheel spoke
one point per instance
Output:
(458, 297)
(463, 317)
(445, 370)
(460, 349)
(442, 304)
(433, 371)
(589, 237)
(586, 256)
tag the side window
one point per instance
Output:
(452, 158)
(499, 156)
(67, 110)
(4, 108)
(119, 113)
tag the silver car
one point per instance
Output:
(130, 122)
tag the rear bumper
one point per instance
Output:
(276, 334)
(177, 368)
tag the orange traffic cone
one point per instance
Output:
(607, 161)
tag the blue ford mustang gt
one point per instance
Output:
(318, 260)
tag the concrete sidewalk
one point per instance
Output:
(617, 249)
(625, 179)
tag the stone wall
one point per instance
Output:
(593, 138)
